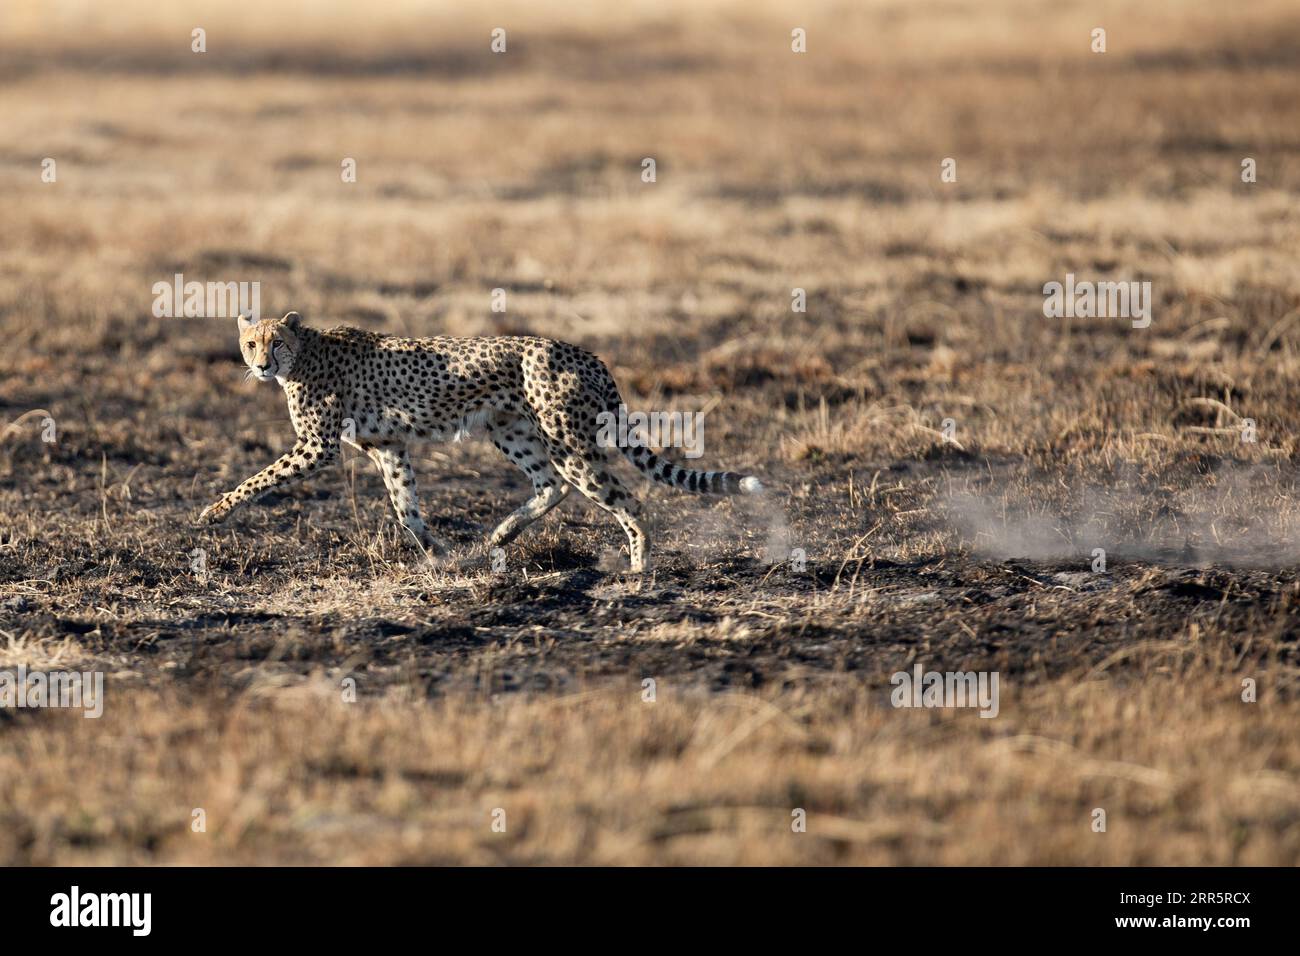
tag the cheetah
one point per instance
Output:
(538, 399)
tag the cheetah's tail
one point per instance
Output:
(705, 482)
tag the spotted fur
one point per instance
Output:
(538, 399)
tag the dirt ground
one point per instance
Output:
(1105, 516)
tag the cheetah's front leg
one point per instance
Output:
(305, 458)
(394, 464)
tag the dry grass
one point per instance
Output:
(775, 171)
(287, 773)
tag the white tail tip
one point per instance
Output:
(751, 485)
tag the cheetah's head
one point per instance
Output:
(269, 346)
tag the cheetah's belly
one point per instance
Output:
(384, 423)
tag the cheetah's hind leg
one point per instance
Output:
(591, 475)
(518, 441)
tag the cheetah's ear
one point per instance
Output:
(291, 319)
(245, 322)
